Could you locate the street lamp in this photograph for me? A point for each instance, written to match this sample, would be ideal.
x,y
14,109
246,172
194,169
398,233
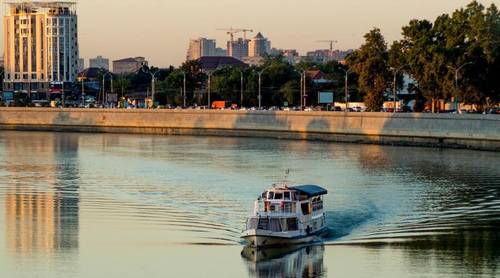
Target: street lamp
x,y
457,70
260,83
209,74
184,89
153,82
302,86
396,71
346,89
83,73
241,87
104,95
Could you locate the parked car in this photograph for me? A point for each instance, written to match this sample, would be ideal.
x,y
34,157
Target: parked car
x,y
493,111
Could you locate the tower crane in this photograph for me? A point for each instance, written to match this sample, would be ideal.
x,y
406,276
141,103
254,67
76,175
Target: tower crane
x,y
331,43
232,31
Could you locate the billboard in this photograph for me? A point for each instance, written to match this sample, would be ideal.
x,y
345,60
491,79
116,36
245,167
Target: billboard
x,y
325,97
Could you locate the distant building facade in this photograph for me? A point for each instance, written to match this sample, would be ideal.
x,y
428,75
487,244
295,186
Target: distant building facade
x,y
99,62
40,45
81,64
201,47
238,48
129,65
326,55
253,61
259,46
220,52
290,56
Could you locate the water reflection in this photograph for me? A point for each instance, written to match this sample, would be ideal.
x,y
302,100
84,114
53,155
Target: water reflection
x,y
293,261
42,199
84,201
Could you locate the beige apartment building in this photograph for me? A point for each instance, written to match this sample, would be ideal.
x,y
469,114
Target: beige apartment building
x,y
259,46
129,65
40,45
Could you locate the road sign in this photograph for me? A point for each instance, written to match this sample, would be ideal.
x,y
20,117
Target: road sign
x,y
325,97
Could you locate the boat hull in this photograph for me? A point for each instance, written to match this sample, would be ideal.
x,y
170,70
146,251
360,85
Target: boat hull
x,y
265,240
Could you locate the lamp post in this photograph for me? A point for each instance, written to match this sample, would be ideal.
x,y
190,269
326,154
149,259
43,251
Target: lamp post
x,y
241,88
104,95
396,71
260,85
457,70
184,89
302,85
346,88
83,90
153,83
209,73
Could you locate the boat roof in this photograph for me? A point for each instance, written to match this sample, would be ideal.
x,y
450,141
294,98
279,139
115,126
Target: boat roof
x,y
310,190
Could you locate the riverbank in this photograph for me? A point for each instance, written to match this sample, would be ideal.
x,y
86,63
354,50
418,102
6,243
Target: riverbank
x,y
480,132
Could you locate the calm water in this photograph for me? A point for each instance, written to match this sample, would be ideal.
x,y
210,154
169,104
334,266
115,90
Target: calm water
x,y
101,205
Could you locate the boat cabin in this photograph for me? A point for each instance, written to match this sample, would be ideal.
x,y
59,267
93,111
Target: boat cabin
x,y
284,199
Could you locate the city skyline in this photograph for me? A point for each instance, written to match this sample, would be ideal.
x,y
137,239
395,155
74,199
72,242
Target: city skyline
x,y
163,34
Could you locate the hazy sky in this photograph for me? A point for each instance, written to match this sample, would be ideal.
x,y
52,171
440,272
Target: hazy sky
x,y
160,29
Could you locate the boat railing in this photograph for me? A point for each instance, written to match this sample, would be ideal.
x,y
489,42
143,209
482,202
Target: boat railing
x,y
275,208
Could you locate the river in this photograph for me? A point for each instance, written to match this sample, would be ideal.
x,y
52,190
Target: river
x,y
112,205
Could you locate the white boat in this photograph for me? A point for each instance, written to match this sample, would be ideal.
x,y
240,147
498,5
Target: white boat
x,y
286,215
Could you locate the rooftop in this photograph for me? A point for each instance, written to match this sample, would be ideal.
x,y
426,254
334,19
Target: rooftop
x,y
310,190
214,62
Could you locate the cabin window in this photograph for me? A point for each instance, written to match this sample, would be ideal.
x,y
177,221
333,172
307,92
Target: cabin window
x,y
270,195
287,196
292,224
278,196
263,224
305,208
275,225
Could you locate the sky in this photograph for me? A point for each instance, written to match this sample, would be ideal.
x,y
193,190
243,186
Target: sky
x,y
160,29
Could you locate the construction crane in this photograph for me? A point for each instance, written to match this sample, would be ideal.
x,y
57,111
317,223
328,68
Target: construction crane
x,y
331,43
231,32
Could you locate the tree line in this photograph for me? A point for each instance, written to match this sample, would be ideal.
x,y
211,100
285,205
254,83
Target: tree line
x,y
456,57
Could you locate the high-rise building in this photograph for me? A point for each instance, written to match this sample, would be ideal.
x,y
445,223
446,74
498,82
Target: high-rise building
x,y
201,47
81,65
220,52
129,65
238,48
99,62
259,46
40,45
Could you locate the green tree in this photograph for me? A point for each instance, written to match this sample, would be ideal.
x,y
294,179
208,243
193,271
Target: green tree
x,y
122,84
370,63
289,92
464,44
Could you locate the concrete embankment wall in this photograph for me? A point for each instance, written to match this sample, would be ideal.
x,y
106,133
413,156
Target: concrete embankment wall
x,y
480,132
